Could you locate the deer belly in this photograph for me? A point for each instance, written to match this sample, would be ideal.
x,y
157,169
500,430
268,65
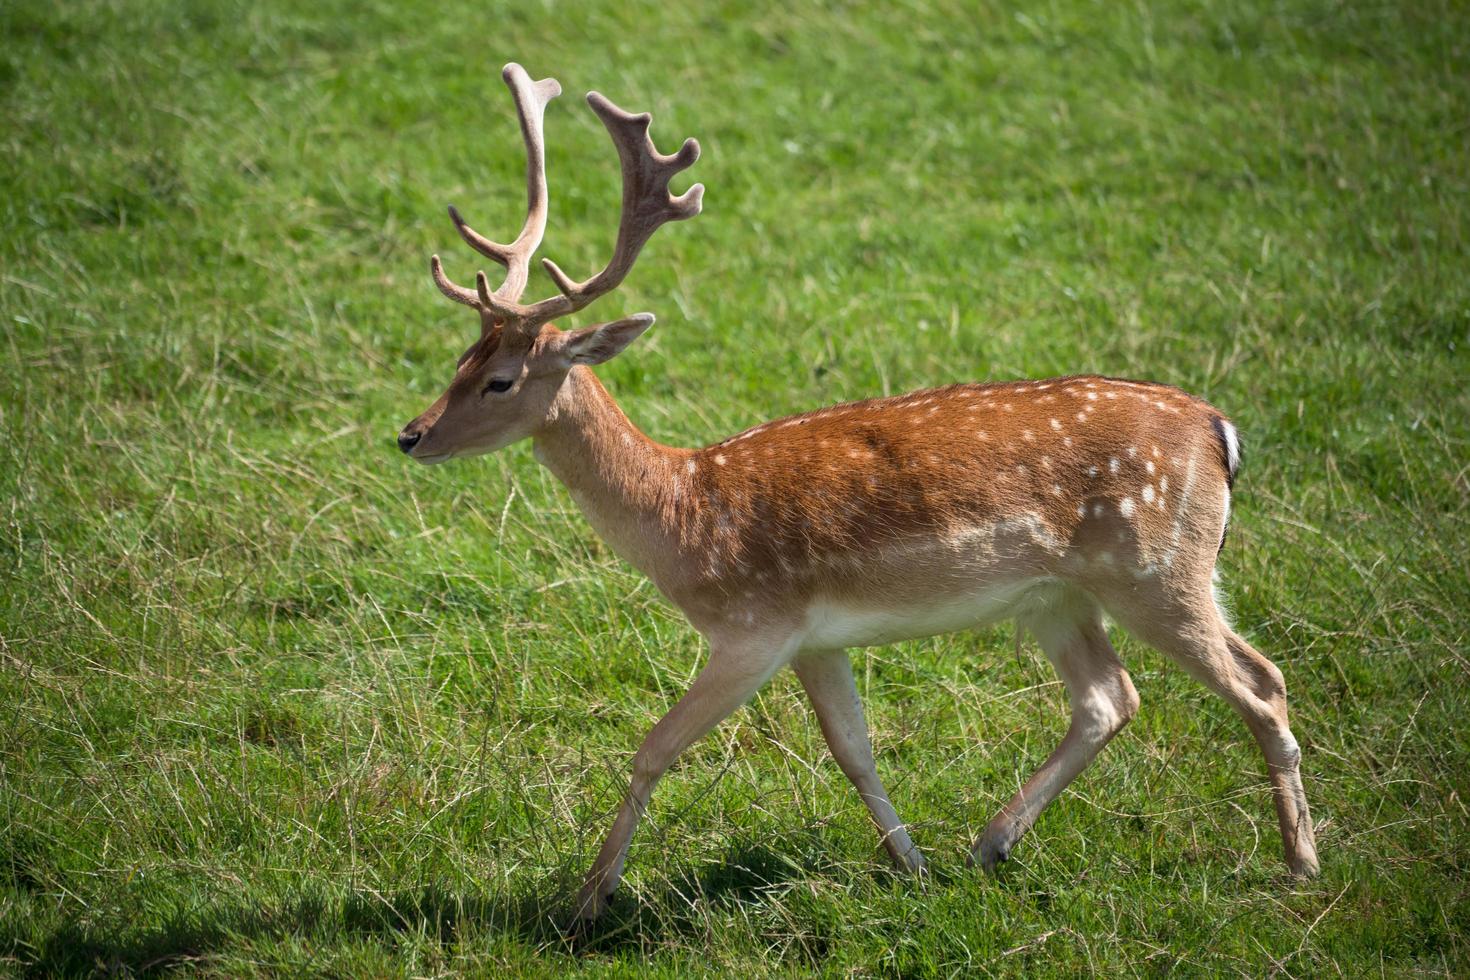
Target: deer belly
x,y
835,623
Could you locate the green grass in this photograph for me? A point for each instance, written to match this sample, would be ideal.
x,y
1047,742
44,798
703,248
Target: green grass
x,y
274,701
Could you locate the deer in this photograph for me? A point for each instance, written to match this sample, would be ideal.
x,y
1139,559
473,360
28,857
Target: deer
x,y
1050,502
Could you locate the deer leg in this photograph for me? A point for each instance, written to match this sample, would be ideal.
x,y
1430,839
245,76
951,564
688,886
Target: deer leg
x,y
1259,696
1103,701
1197,639
827,677
732,675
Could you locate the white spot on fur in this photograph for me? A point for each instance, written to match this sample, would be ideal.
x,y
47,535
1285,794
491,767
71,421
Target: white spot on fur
x,y
1125,506
1092,396
1081,510
1056,426
1081,416
1164,485
1149,466
1147,494
719,460
1056,489
1133,452
1026,434
1097,510
691,466
1066,440
1110,394
1113,465
1092,471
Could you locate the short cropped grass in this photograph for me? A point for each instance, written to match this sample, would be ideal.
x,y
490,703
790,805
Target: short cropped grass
x,y
275,702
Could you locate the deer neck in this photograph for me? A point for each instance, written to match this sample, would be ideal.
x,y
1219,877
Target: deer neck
x,y
625,483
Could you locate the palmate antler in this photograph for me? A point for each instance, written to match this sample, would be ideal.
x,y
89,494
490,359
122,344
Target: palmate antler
x,y
647,204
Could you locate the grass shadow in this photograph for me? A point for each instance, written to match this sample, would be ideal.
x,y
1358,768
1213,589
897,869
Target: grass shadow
x,y
677,907
537,915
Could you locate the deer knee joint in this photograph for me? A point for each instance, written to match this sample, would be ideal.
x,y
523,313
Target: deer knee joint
x,y
1290,752
1126,701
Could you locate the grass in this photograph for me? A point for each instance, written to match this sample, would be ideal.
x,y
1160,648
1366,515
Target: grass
x,y
275,702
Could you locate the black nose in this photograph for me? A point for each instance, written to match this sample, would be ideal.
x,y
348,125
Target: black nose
x,y
407,439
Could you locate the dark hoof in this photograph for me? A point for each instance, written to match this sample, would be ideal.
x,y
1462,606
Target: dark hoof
x,y
592,905
990,852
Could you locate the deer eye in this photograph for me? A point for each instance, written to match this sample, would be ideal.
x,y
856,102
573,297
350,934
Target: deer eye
x,y
498,385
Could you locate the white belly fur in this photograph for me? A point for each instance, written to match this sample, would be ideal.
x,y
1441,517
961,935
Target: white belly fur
x,y
832,624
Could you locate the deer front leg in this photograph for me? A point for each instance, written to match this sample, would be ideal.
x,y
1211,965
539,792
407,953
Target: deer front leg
x,y
827,677
734,673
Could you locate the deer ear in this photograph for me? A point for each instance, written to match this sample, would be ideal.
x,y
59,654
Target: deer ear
x,y
603,341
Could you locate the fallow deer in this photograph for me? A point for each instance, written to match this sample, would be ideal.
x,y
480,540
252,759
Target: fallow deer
x,y
1050,502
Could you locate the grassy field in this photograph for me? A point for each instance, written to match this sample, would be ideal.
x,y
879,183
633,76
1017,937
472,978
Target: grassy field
x,y
274,701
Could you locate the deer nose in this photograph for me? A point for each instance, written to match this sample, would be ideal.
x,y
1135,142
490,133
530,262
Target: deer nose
x,y
409,438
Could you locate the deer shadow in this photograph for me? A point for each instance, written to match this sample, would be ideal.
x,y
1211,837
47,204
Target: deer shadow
x,y
538,915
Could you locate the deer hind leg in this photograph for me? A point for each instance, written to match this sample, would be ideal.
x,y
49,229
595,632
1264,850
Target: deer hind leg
x,y
1199,641
827,677
734,673
1264,710
1103,701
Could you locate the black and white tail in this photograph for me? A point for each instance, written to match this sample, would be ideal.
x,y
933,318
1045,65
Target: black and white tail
x,y
1230,447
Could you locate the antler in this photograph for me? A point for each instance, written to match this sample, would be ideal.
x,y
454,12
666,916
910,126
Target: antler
x,y
530,98
647,204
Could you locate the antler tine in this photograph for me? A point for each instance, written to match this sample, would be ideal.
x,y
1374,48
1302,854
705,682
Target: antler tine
x,y
530,98
457,293
647,203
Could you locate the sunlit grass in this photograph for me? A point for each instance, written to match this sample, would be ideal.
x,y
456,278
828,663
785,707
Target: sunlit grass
x,y
273,701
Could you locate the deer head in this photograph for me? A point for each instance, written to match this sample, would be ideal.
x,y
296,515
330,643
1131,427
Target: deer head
x,y
506,384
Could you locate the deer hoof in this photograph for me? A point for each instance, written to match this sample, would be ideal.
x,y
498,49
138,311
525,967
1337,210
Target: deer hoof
x,y
591,904
990,851
912,863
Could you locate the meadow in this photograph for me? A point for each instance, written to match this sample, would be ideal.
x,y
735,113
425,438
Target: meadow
x,y
276,702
